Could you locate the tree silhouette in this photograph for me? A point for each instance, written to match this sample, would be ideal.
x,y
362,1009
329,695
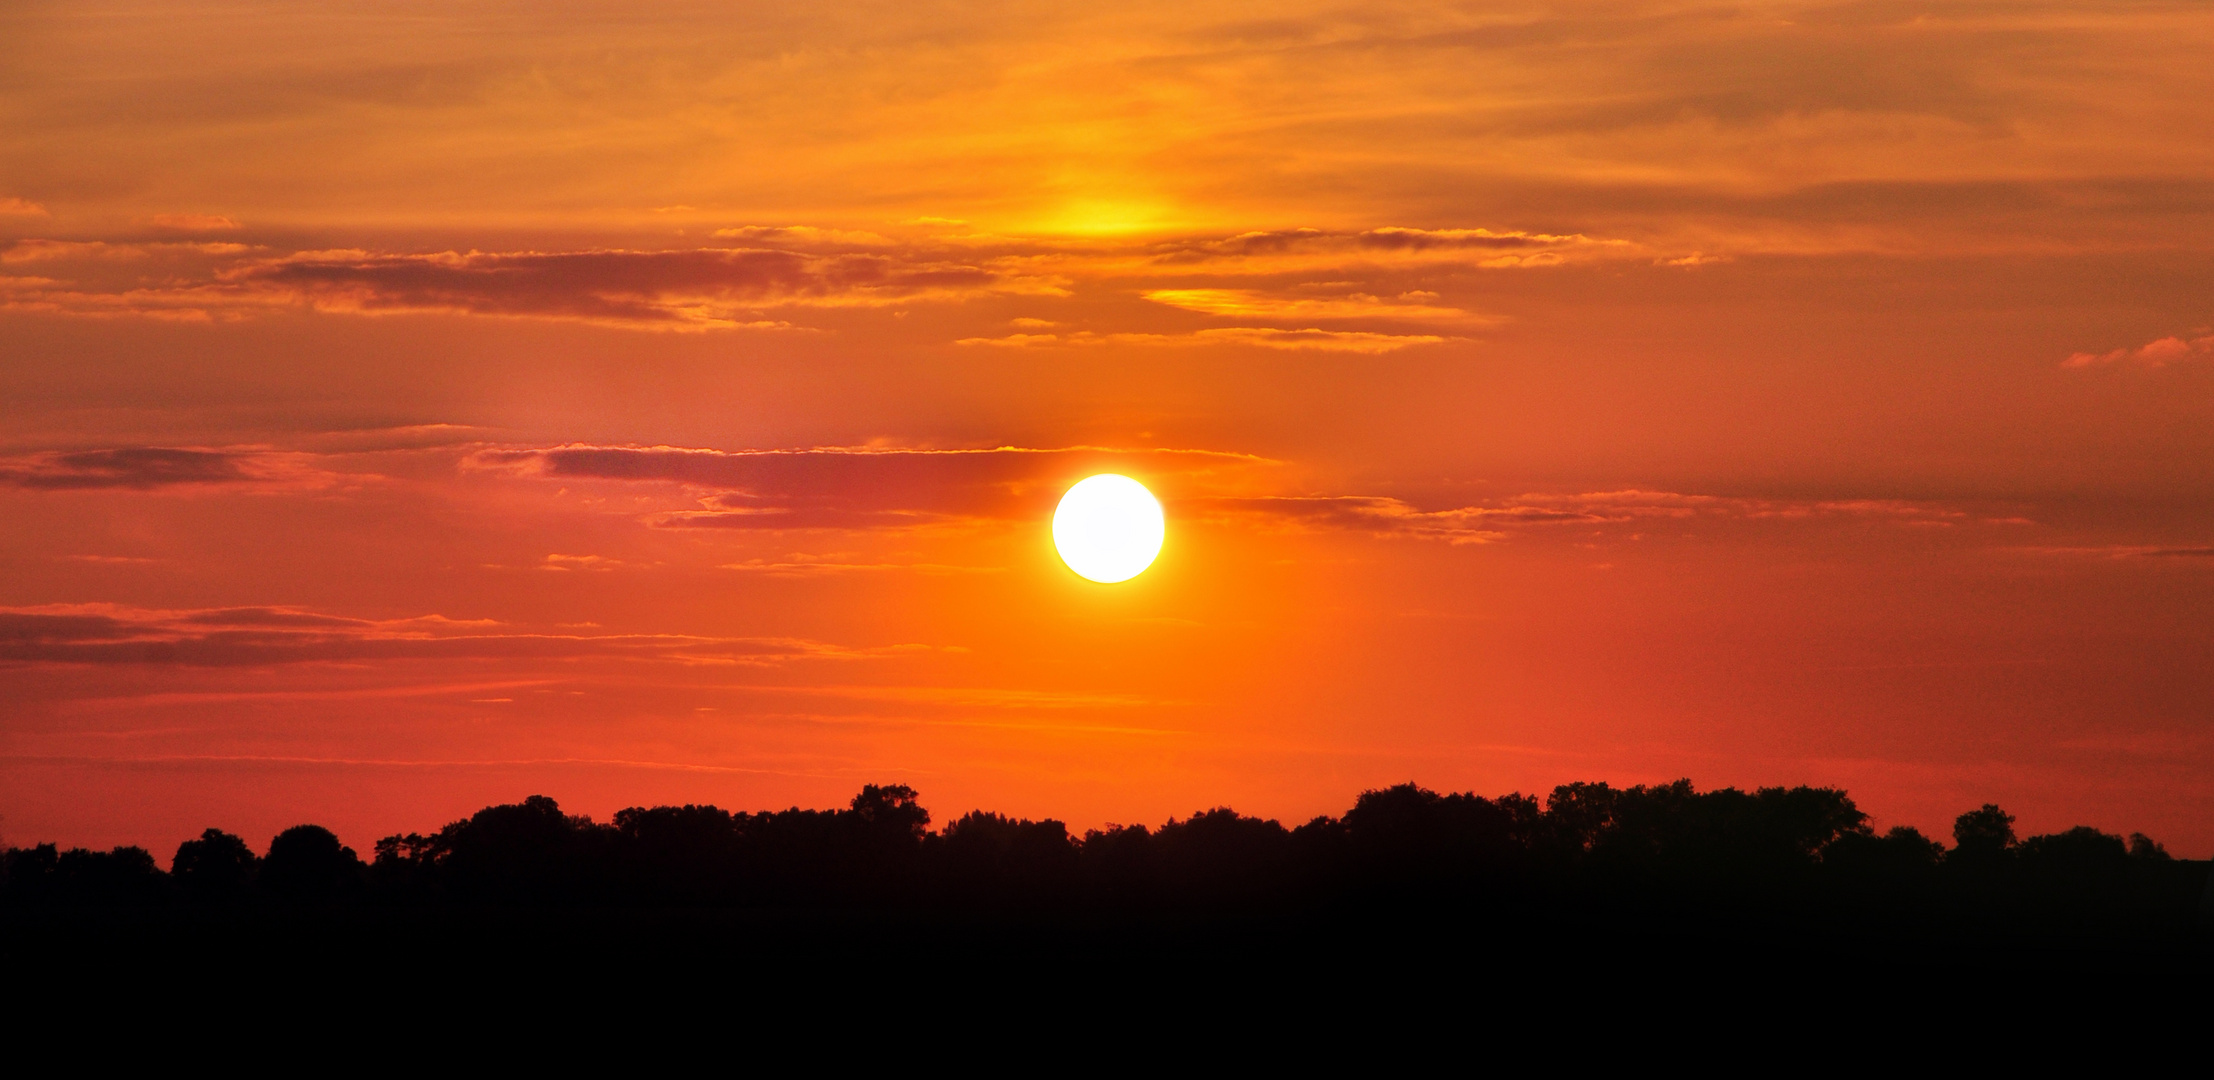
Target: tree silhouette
x,y
214,867
306,865
1670,849
42,875
1408,835
1983,835
982,855
682,854
1220,854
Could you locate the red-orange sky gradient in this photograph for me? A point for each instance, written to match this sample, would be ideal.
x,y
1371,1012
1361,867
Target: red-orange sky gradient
x,y
406,407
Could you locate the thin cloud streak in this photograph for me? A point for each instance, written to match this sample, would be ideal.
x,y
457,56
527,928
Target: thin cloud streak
x,y
107,634
1312,339
1388,517
391,763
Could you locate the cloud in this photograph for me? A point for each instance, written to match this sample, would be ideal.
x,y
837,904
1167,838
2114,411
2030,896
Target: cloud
x,y
147,468
1471,246
193,222
736,512
1580,112
782,268
1311,339
568,563
800,565
2128,551
140,468
254,636
698,288
12,206
805,236
41,250
1030,341
1251,303
166,280
2151,354
1337,254
1349,341
865,489
37,249
1484,523
1402,239
1376,515
845,488
1494,521
681,289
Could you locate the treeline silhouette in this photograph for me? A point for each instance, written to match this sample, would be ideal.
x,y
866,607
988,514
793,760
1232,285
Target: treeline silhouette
x,y
1775,850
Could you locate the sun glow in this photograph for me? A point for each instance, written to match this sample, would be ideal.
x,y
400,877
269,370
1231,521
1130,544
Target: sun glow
x,y
1108,528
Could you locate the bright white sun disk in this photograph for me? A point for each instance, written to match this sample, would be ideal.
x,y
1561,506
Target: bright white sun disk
x,y
1108,528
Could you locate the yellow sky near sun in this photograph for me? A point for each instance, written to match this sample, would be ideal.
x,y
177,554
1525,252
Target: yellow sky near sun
x,y
1042,118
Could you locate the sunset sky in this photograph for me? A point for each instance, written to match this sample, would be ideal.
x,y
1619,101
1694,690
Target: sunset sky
x,y
406,407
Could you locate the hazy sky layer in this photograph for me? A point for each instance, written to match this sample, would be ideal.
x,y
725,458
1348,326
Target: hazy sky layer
x,y
410,407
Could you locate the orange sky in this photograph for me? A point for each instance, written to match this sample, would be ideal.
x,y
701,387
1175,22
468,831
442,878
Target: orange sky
x,y
409,407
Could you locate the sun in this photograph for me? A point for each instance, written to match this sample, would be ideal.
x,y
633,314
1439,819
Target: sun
x,y
1108,528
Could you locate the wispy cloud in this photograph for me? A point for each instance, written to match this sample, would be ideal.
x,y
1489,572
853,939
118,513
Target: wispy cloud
x,y
249,636
805,236
1313,340
1262,337
800,565
193,222
1253,303
2127,551
570,563
1493,521
2154,354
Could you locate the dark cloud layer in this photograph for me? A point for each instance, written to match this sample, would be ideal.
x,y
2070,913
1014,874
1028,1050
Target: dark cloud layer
x,y
139,467
844,488
686,287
